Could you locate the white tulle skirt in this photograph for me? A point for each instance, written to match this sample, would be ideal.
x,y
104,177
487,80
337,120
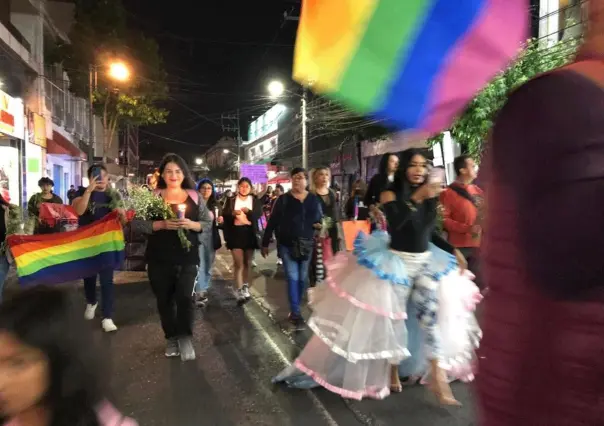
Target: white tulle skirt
x,y
360,313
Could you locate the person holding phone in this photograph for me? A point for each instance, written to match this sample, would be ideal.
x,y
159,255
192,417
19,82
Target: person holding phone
x,y
92,204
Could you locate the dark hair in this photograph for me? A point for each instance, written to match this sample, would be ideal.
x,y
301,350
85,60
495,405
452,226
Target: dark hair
x,y
297,170
242,180
280,187
96,166
402,186
187,182
45,181
46,318
211,203
460,163
382,174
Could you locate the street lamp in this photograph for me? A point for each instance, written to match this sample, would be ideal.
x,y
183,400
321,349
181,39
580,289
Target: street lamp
x,y
117,71
225,151
198,161
276,89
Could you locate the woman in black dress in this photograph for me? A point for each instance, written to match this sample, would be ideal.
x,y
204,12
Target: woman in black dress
x,y
241,217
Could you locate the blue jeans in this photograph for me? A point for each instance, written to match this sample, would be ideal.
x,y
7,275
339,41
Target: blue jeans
x,y
296,272
204,274
106,279
4,267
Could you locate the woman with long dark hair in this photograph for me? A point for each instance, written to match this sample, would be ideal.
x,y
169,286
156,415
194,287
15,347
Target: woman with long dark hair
x,y
173,253
50,373
210,242
382,181
241,232
359,324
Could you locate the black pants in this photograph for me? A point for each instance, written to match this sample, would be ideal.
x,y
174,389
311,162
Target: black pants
x,y
471,255
173,288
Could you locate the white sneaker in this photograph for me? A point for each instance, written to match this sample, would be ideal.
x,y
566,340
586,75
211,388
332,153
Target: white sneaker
x,y
108,325
245,291
279,262
254,264
90,311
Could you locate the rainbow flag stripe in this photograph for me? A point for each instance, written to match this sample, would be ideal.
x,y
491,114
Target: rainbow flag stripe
x,y
414,63
67,256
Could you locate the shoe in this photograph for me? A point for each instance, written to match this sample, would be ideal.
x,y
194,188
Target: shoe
x,y
440,387
201,299
187,351
245,290
108,325
279,262
298,322
254,264
172,348
90,311
310,296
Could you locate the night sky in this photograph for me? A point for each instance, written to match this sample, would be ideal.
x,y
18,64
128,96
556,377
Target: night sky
x,y
219,56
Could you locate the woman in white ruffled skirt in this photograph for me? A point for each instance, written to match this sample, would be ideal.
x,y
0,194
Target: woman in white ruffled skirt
x,y
360,333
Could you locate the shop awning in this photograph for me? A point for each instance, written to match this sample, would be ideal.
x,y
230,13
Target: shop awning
x,y
60,145
281,177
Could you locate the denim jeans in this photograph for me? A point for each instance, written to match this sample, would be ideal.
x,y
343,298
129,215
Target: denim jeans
x,y
296,272
106,279
207,255
4,267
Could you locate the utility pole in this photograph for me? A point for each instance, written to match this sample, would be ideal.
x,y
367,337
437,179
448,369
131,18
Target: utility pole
x,y
304,130
231,123
92,87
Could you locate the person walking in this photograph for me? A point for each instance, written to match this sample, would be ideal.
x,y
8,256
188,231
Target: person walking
x,y
295,217
210,242
173,253
241,232
92,204
462,212
46,195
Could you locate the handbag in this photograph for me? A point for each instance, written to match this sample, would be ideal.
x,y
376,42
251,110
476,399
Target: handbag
x,y
302,248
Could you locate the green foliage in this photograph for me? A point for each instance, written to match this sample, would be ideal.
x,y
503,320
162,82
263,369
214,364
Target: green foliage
x,y
222,173
99,37
472,127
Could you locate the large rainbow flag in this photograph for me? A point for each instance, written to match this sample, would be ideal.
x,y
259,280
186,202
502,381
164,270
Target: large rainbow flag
x,y
414,63
67,256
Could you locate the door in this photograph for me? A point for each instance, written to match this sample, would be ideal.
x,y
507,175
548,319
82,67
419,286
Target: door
x,y
57,177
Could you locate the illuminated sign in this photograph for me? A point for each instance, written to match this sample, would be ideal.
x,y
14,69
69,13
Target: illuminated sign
x,y
266,123
11,116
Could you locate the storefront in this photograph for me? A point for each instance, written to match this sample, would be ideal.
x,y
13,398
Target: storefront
x,y
12,140
35,153
63,163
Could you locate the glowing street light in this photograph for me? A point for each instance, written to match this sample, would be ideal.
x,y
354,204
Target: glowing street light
x,y
119,71
198,161
225,151
276,88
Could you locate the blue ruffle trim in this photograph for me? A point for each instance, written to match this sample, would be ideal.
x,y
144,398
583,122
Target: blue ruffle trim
x,y
372,252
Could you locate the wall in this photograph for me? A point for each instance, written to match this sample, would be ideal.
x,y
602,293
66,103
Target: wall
x,y
69,166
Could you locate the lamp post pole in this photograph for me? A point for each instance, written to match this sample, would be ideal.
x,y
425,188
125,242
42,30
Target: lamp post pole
x,y
91,124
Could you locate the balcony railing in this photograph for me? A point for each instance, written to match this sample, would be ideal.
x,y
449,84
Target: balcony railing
x,y
66,109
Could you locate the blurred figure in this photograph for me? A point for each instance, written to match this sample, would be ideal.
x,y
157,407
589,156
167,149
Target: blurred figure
x,y
541,359
49,369
71,194
383,181
355,208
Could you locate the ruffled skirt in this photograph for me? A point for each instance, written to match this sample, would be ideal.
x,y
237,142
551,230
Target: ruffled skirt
x,y
359,320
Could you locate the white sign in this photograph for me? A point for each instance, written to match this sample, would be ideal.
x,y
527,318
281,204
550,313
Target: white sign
x,y
9,174
266,123
12,119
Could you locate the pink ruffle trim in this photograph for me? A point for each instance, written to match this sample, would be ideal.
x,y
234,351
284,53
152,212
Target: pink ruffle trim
x,y
340,292
371,392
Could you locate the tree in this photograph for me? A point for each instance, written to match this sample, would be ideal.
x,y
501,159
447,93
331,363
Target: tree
x,y
222,172
472,127
99,37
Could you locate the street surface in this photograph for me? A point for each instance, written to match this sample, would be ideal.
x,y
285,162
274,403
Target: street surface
x,y
239,350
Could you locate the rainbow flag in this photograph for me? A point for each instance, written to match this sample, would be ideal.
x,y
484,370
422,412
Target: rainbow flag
x,y
414,63
67,256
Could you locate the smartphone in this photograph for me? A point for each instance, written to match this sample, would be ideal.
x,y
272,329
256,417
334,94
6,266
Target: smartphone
x,y
437,175
96,172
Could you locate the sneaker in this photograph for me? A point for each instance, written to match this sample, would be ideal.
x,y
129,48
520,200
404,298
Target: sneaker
x,y
279,262
201,299
172,348
108,325
254,264
297,322
90,311
245,291
187,351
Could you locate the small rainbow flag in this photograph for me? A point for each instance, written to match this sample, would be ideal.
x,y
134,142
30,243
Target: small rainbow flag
x,y
67,256
414,63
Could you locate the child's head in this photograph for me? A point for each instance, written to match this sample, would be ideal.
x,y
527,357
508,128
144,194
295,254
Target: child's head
x,y
47,358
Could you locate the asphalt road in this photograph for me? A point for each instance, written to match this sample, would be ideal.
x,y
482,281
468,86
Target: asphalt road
x,y
239,350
